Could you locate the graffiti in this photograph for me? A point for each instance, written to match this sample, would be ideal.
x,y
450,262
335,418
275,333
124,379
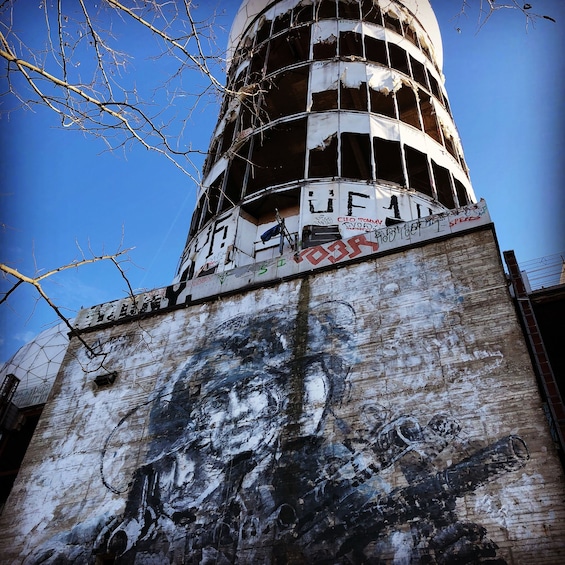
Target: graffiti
x,y
375,240
351,205
343,249
251,461
365,224
323,220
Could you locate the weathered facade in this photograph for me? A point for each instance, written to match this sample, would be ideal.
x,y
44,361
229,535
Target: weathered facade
x,y
383,412
335,122
359,392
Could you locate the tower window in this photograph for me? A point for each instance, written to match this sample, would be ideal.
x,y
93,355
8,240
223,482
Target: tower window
x,y
286,93
398,58
326,100
236,172
348,9
350,44
282,22
388,160
370,12
211,199
195,222
418,170
257,63
392,22
434,85
288,48
303,14
407,106
431,126
278,155
353,98
443,185
326,49
322,161
418,72
325,9
375,50
382,103
263,31
356,156
410,34
462,195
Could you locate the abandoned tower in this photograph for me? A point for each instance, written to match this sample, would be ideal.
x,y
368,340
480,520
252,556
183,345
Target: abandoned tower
x,y
338,373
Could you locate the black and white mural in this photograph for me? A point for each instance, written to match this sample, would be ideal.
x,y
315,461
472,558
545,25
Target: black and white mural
x,y
256,455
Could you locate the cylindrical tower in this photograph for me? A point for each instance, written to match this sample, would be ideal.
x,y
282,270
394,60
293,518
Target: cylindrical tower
x,y
335,122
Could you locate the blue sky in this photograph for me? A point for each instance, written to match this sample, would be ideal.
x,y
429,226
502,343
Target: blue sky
x,y
61,187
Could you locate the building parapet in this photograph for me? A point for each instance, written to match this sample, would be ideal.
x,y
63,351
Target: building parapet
x,y
340,251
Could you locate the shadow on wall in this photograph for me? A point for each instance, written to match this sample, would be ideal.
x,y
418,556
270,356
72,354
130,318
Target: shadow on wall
x,y
250,462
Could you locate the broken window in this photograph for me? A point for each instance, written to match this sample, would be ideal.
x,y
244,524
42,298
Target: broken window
x,y
288,48
407,106
286,93
326,100
227,199
325,9
236,172
352,98
418,170
431,126
227,135
392,22
326,49
280,200
388,160
462,195
375,50
434,86
278,155
370,12
410,34
398,58
239,81
282,22
212,154
356,156
442,180
211,199
382,103
348,9
350,44
247,113
446,104
195,221
257,63
450,146
303,14
322,160
263,31
418,72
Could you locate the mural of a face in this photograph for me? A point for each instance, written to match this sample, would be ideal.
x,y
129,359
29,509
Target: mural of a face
x,y
241,466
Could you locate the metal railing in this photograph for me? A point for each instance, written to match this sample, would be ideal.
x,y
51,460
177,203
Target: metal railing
x,y
545,271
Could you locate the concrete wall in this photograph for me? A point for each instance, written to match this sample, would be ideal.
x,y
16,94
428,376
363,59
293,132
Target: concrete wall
x,y
383,410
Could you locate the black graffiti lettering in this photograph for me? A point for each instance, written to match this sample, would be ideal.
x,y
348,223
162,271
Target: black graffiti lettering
x,y
394,206
218,228
329,207
350,204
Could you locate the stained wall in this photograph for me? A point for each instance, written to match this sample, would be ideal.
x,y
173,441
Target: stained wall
x,y
389,413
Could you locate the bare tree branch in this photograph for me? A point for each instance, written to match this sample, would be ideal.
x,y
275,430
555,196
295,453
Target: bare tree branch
x,y
487,8
35,282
